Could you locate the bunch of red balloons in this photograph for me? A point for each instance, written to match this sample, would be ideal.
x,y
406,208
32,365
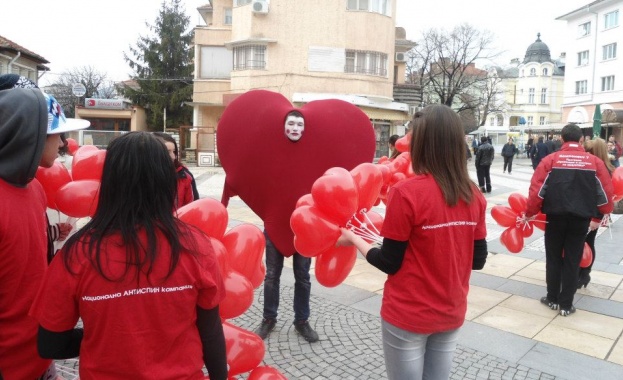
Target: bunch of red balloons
x,y
397,169
617,182
513,218
75,192
239,252
338,198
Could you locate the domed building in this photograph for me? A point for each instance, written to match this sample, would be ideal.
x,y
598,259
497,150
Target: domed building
x,y
533,93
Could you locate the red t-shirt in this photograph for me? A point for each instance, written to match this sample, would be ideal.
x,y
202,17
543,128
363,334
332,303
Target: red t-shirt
x,y
23,249
184,188
429,292
133,329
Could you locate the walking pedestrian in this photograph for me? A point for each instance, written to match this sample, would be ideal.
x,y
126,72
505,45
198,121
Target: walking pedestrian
x,y
508,152
433,236
570,186
484,159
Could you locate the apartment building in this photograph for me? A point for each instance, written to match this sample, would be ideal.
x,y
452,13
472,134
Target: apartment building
x,y
594,70
305,50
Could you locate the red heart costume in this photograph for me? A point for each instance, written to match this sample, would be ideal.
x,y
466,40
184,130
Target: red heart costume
x,y
268,171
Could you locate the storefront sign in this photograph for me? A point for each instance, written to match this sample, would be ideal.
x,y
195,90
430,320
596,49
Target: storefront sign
x,y
115,104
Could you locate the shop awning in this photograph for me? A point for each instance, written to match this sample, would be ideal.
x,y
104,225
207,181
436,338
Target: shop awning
x,y
384,114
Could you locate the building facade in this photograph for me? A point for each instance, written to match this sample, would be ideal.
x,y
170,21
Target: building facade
x,y
16,59
305,50
594,71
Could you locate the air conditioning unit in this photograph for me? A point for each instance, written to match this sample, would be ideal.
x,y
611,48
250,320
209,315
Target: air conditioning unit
x,y
401,57
260,6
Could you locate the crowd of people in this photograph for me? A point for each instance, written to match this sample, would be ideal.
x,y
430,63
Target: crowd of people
x,y
142,280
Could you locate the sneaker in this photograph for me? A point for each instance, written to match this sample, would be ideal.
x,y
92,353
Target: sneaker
x,y
550,304
566,312
306,331
265,328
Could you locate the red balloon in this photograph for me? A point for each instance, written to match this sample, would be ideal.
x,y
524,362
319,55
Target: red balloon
x,y
396,177
383,160
334,265
518,202
88,164
335,195
504,216
78,198
221,256
245,350
617,182
587,256
72,146
245,245
539,221
207,214
386,172
512,239
238,295
400,163
368,181
305,200
52,179
266,373
258,276
403,143
313,233
527,229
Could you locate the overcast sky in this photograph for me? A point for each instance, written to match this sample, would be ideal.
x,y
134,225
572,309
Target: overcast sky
x,y
76,33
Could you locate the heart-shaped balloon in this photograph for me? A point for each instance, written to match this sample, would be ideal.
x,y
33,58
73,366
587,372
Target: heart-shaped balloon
x,y
269,171
335,194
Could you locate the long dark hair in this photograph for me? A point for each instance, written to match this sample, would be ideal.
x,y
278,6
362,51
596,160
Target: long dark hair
x,y
137,195
438,148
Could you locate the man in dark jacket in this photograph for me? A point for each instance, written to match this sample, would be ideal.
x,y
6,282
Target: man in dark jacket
x,y
508,152
570,186
551,147
484,159
538,152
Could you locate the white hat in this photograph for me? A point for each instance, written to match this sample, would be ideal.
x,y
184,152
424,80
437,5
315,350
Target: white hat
x,y
57,122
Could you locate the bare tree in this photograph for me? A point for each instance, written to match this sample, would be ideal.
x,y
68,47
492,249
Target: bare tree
x,y
444,62
96,83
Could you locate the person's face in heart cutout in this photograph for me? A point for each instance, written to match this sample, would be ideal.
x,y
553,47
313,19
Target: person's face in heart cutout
x,y
294,126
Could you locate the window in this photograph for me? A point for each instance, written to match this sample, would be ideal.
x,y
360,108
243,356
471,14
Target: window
x,y
607,83
530,120
580,87
545,72
383,7
532,72
241,2
584,29
215,62
610,51
611,19
250,57
366,62
531,96
492,121
227,19
583,58
542,120
543,96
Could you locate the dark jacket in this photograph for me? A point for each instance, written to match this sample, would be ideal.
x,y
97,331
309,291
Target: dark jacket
x,y
484,155
509,150
538,152
571,182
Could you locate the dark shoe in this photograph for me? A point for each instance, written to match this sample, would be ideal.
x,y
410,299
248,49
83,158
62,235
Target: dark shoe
x,y
488,190
306,331
483,190
548,303
566,312
583,281
265,328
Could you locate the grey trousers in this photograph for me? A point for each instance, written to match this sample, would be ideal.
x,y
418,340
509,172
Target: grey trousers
x,y
412,356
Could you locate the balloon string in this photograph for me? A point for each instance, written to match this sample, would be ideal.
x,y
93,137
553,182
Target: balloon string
x,y
365,233
369,223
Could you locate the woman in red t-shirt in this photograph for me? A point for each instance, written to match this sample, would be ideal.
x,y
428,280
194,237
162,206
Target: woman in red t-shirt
x,y
146,286
186,186
433,236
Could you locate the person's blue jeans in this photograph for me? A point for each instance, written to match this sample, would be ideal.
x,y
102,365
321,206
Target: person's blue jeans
x,y
302,285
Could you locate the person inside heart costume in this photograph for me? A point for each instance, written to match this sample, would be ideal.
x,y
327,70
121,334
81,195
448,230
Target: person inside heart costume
x,y
272,153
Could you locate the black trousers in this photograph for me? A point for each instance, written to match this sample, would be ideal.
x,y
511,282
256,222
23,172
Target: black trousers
x,y
484,179
508,162
563,233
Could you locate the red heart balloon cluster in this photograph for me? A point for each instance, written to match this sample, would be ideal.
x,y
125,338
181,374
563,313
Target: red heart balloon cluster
x,y
338,198
397,169
74,193
511,217
617,183
239,252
